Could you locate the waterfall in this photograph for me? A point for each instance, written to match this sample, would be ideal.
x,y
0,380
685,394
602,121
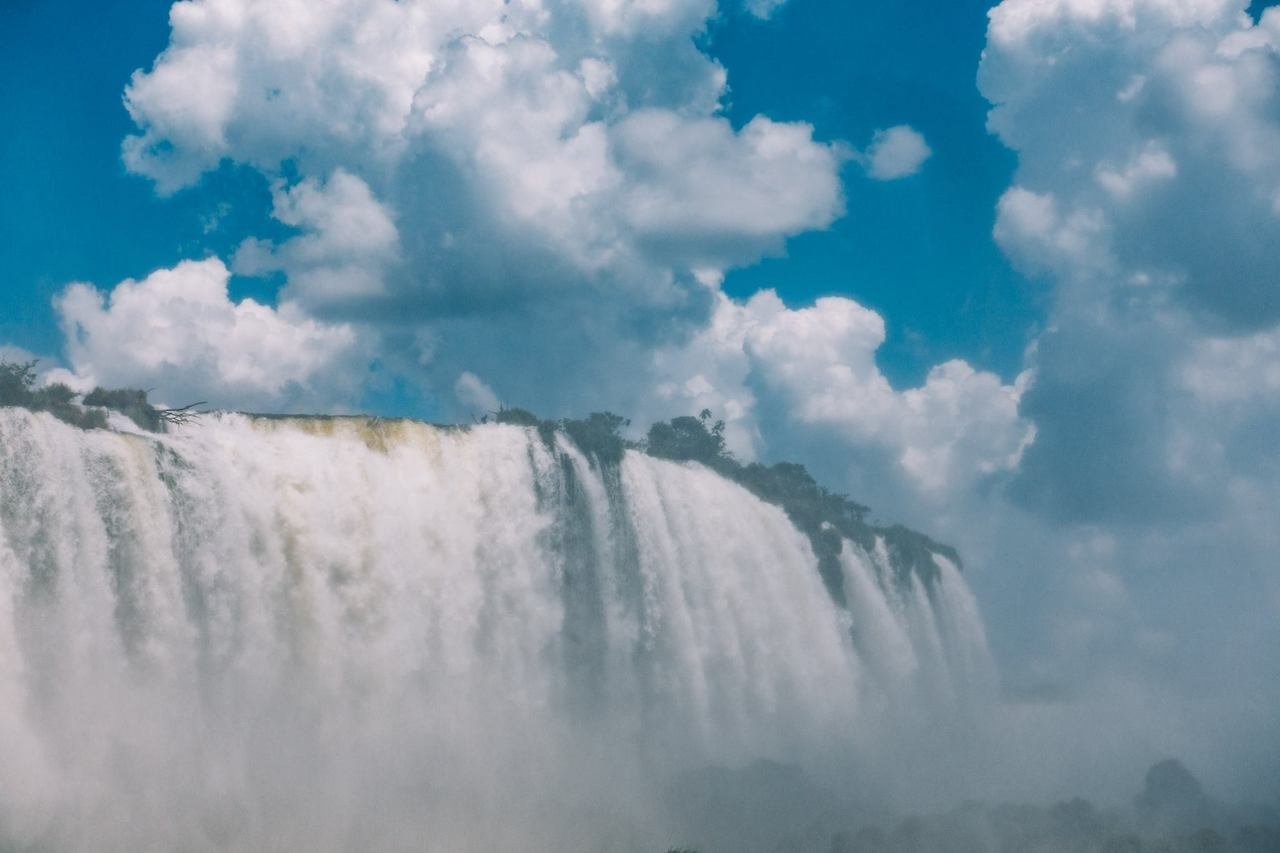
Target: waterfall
x,y
345,633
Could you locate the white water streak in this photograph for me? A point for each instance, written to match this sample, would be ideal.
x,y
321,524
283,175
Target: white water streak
x,y
259,634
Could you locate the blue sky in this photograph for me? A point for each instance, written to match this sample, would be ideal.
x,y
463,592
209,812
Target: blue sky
x,y
919,251
72,211
1011,279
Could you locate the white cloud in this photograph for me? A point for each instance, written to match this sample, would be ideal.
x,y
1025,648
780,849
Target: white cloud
x,y
567,158
960,426
348,238
716,196
546,129
1015,23
177,332
1154,121
1149,155
1238,369
1032,230
764,8
1151,165
14,354
459,172
476,154
248,80
473,393
897,152
633,17
1148,160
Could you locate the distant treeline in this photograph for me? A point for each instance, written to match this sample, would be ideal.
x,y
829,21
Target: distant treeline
x,y
772,808
826,517
18,388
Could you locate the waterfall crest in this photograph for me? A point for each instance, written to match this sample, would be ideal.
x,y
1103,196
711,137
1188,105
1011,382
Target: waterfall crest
x,y
337,633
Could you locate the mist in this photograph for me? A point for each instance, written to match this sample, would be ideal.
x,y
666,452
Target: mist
x,y
252,633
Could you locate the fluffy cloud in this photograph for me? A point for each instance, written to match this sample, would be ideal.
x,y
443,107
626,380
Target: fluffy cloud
x,y
251,80
712,196
465,177
463,172
588,126
472,391
1148,145
11,353
764,8
898,152
347,241
534,202
818,362
1149,160
1156,122
1033,231
1018,25
1235,369
177,332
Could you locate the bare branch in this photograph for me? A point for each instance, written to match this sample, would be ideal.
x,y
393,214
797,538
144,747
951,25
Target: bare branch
x,y
181,415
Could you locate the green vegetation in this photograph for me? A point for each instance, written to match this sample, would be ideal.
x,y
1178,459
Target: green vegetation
x,y
769,806
18,388
599,435
826,517
517,417
129,402
689,439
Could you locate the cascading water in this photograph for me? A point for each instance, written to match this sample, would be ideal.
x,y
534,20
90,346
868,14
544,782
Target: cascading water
x,y
338,634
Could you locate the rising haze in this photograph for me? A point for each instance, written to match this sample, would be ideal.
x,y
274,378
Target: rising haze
x,y
1008,275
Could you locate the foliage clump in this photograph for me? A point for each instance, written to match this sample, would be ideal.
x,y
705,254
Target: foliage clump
x,y
690,439
516,417
599,435
827,518
769,806
130,402
18,388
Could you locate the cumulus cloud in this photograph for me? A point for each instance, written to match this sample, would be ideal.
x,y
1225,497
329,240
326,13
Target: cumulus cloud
x,y
1151,165
1017,25
177,332
897,152
347,241
546,195
458,173
1148,162
472,392
249,80
1235,369
1149,156
461,177
1156,121
764,8
712,196
554,121
959,427
1036,233
11,353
